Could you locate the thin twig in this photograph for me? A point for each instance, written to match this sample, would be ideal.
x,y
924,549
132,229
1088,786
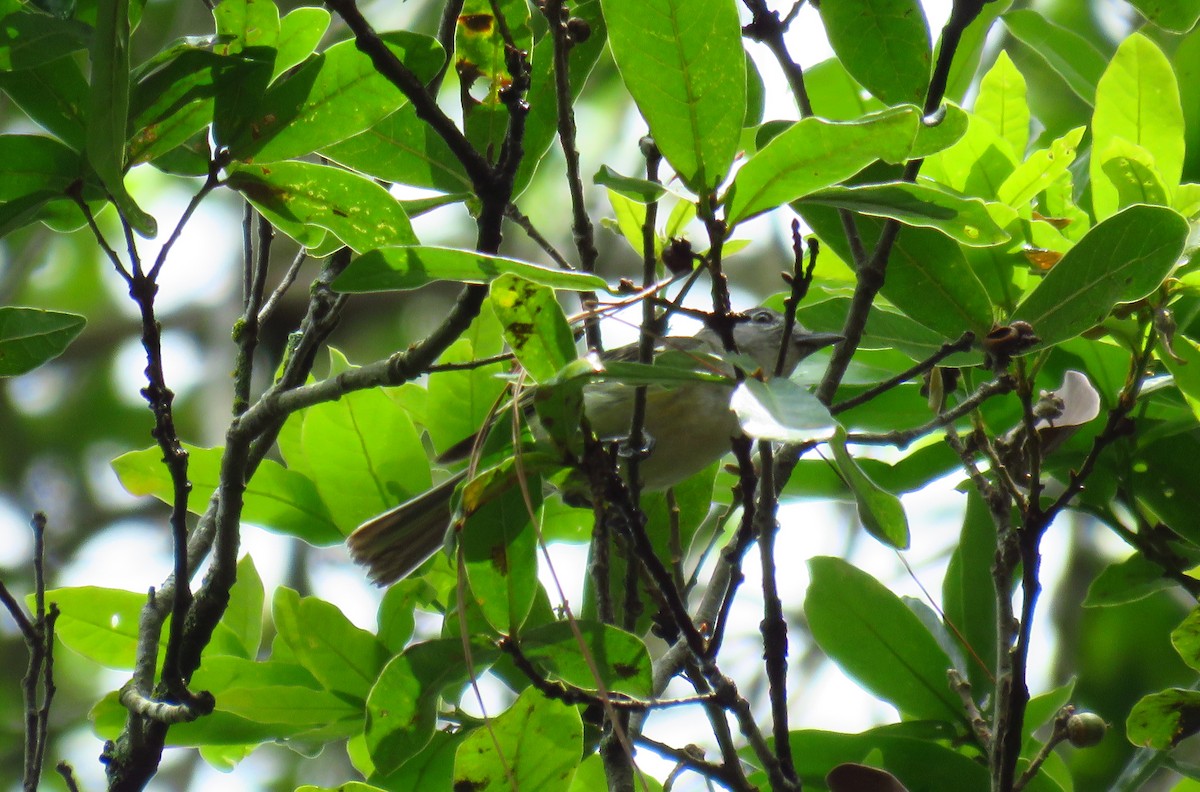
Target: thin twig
x,y
947,349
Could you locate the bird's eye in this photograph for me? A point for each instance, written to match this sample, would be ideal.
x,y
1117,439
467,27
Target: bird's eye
x,y
762,317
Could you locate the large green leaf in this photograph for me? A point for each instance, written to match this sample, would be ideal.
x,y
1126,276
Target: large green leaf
x,y
276,498
362,451
55,96
499,549
534,744
1122,259
1177,16
173,102
108,109
920,762
1128,580
402,707
874,637
29,39
929,279
299,33
620,658
404,268
480,60
682,60
1066,52
1039,170
969,221
1001,102
404,149
296,196
880,512
330,98
813,154
343,658
884,44
100,623
534,325
30,337
780,410
247,32
968,598
1137,100
1161,720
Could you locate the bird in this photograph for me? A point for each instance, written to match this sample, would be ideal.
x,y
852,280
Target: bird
x,y
689,427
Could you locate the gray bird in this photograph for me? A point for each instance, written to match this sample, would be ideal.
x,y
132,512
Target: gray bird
x,y
689,427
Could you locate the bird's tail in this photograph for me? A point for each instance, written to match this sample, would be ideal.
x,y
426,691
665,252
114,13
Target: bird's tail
x,y
392,545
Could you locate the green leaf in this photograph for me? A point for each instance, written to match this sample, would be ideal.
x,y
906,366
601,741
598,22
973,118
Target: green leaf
x,y
880,512
243,615
640,190
1066,52
100,623
29,39
534,325
402,707
1162,720
465,398
405,268
534,744
403,149
872,636
1177,16
1162,475
299,34
930,280
969,221
29,337
108,109
499,548
835,95
780,410
247,32
886,328
920,764
1183,361
620,658
1122,259
1132,171
172,103
813,154
969,604
343,658
295,196
1137,99
1125,581
330,98
276,498
682,60
32,164
1186,639
884,44
363,453
55,96
246,24
1001,102
1041,169
480,60
977,164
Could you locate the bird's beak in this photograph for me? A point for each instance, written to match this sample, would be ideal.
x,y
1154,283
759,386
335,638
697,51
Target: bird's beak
x,y
814,341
